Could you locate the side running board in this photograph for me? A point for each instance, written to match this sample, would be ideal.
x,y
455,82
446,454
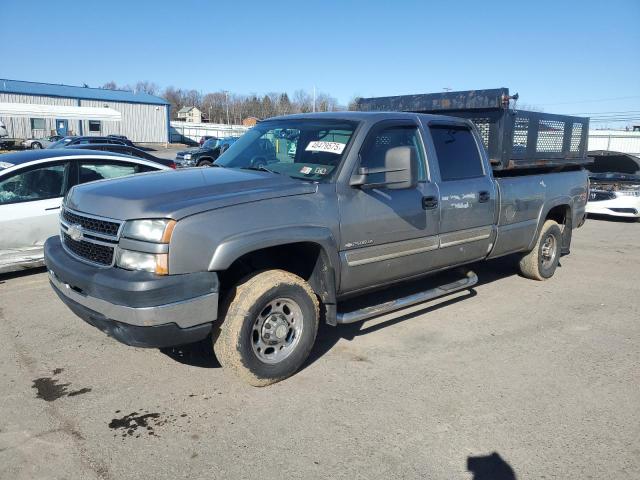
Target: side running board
x,y
376,310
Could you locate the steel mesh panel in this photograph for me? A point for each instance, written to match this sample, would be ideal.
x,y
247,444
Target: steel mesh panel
x,y
520,134
576,136
91,251
92,224
484,126
550,136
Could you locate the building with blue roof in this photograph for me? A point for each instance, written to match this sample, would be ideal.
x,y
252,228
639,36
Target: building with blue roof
x,y
143,117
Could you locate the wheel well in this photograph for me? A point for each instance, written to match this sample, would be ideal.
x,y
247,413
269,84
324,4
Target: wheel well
x,y
308,260
559,214
562,215
202,159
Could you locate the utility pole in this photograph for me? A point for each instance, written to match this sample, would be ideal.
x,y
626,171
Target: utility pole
x,y
226,96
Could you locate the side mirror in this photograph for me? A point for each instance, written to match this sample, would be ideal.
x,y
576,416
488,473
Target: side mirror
x,y
400,171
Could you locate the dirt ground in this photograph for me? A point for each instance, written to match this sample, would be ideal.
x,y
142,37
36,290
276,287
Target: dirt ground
x,y
514,379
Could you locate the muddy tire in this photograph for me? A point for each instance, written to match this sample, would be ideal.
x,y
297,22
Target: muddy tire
x,y
269,327
541,262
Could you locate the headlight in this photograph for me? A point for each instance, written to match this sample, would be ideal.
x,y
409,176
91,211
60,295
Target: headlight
x,y
149,262
152,230
187,156
628,193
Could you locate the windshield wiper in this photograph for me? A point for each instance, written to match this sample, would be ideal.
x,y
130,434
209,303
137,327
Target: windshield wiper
x,y
260,168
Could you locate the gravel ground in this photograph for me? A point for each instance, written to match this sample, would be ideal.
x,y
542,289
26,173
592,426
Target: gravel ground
x,y
515,379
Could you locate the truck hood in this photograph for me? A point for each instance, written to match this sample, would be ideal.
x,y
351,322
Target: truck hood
x,y
180,193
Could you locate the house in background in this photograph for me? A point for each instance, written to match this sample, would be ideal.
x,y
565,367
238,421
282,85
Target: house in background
x,y
189,114
250,121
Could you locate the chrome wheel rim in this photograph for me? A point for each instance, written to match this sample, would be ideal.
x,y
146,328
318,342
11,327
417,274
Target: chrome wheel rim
x,y
548,251
277,330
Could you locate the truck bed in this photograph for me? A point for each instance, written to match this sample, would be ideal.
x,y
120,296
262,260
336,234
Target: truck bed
x,y
521,200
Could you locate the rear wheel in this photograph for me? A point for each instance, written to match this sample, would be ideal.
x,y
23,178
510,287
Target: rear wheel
x,y
541,262
36,146
269,327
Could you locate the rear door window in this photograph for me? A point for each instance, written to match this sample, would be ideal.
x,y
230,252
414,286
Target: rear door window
x,y
102,170
457,151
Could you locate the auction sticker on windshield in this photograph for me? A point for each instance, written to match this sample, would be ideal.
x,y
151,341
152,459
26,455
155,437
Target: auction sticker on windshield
x,y
331,147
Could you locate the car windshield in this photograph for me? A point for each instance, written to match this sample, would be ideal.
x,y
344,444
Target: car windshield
x,y
60,143
308,149
211,143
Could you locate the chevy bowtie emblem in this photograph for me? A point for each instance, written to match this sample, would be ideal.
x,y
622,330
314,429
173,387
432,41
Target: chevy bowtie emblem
x,y
75,232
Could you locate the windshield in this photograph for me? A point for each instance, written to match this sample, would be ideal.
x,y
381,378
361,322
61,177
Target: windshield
x,y
60,143
211,143
308,149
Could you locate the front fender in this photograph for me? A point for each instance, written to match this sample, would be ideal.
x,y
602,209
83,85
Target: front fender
x,y
232,248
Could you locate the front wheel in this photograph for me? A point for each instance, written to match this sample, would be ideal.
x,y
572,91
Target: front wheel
x,y
36,146
541,262
269,328
205,163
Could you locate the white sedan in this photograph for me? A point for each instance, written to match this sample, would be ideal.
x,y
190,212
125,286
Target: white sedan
x,y
32,186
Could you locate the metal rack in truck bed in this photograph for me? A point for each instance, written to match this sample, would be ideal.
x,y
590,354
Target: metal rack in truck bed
x,y
514,139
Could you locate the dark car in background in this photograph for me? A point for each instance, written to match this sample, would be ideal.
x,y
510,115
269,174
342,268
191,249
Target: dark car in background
x,y
86,140
205,155
125,150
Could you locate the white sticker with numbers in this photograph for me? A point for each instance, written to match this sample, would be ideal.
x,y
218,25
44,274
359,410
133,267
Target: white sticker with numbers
x,y
331,147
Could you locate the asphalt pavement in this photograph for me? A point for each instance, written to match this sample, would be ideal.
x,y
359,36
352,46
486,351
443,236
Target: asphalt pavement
x,y
514,379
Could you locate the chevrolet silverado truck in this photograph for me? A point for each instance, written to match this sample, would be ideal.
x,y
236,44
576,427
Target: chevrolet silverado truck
x,y
254,252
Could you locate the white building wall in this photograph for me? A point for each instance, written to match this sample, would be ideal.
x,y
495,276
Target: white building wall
x,y
140,122
21,127
615,140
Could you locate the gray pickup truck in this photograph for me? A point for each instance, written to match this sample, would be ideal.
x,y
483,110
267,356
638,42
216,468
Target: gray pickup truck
x,y
255,251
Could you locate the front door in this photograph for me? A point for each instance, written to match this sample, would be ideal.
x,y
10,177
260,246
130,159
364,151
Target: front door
x,y
62,127
30,202
387,234
467,195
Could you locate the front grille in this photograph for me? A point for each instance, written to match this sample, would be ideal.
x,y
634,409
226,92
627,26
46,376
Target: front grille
x,y
93,252
597,196
92,224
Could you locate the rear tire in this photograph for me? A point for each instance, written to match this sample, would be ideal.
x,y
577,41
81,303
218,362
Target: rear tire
x,y
541,262
269,328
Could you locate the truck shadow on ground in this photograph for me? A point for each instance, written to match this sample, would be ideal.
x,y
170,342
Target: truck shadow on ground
x,y
201,354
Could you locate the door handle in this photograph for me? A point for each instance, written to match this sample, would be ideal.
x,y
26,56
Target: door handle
x,y
429,203
51,208
484,197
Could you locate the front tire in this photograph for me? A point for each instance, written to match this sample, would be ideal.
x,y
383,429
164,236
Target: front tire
x,y
36,146
541,262
269,328
205,163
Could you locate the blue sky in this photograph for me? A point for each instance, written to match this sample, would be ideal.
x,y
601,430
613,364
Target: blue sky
x,y
560,56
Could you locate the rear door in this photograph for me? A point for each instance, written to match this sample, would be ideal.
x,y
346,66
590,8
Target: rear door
x,y
467,193
387,234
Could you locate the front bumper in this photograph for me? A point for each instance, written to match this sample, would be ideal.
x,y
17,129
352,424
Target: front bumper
x,y
137,308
